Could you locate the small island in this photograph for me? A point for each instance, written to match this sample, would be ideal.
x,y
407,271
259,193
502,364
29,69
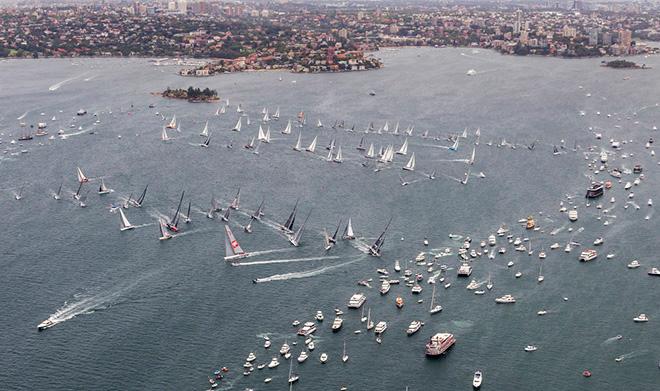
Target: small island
x,y
623,64
194,95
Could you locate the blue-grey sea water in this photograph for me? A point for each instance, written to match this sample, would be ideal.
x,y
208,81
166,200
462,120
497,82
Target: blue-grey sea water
x,y
135,313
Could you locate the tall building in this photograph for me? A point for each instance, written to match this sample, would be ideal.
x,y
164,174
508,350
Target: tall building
x,y
593,36
625,36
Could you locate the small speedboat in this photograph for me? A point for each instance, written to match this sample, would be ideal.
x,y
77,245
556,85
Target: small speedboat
x,y
641,318
530,348
477,379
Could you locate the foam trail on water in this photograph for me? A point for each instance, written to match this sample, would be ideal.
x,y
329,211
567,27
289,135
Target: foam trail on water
x,y
286,260
22,116
360,245
67,135
305,274
56,86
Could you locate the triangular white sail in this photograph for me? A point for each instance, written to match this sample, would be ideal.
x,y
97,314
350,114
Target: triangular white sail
x,y
163,135
404,148
124,224
81,177
239,109
267,137
287,130
348,231
205,131
410,166
329,157
233,250
277,113
471,162
236,202
172,124
409,131
319,124
371,153
464,134
396,129
266,118
261,136
455,146
239,123
386,127
312,146
298,146
338,157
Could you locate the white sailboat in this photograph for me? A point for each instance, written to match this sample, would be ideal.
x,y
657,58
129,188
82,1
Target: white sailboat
x,y
103,189
455,146
404,148
163,135
81,177
239,109
386,127
164,235
371,153
172,124
410,129
239,124
348,231
266,117
312,146
267,136
287,129
319,124
236,202
298,146
276,116
124,224
295,238
471,162
410,166
205,131
338,157
261,136
233,250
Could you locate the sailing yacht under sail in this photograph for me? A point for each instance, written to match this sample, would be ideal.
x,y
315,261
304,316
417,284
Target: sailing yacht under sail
x,y
298,146
81,177
371,153
233,250
348,231
295,238
172,124
338,157
287,129
375,248
138,203
163,135
205,131
288,225
312,146
361,146
404,148
57,196
236,202
410,166
103,189
164,235
124,224
172,225
239,124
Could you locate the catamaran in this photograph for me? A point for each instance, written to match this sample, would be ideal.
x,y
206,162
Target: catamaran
x,y
239,124
348,231
233,250
172,225
312,146
124,224
374,249
295,238
103,189
410,166
404,148
287,129
298,146
172,124
81,177
205,131
164,235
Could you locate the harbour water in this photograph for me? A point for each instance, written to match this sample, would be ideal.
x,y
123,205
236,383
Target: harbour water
x,y
135,313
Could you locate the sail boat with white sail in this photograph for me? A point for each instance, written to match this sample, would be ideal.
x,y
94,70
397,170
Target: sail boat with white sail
x,y
339,158
124,224
236,202
410,166
57,196
435,308
298,146
163,135
205,131
404,148
103,189
312,146
164,235
239,124
348,231
172,124
81,177
287,129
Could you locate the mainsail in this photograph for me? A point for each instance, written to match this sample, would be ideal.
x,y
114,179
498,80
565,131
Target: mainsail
x,y
348,231
375,248
81,177
404,148
124,224
239,123
295,238
312,146
410,166
205,131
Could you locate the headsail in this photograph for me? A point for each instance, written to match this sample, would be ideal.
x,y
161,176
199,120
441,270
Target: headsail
x,y
124,224
348,231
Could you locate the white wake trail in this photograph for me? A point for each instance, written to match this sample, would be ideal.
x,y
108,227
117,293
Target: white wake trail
x,y
292,260
305,274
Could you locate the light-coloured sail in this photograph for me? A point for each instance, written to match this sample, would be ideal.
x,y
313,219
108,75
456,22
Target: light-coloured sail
x,y
81,177
312,146
410,166
261,136
474,149
287,129
386,127
239,123
164,235
298,146
370,152
338,157
172,124
205,131
348,231
124,224
163,135
267,137
404,148
319,124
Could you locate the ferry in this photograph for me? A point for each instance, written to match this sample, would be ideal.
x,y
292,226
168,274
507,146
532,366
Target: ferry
x,y
595,190
439,343
357,300
588,255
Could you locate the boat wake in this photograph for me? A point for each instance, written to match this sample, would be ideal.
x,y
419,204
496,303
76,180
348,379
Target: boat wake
x,y
305,274
22,116
56,86
176,235
272,261
610,340
361,245
65,136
